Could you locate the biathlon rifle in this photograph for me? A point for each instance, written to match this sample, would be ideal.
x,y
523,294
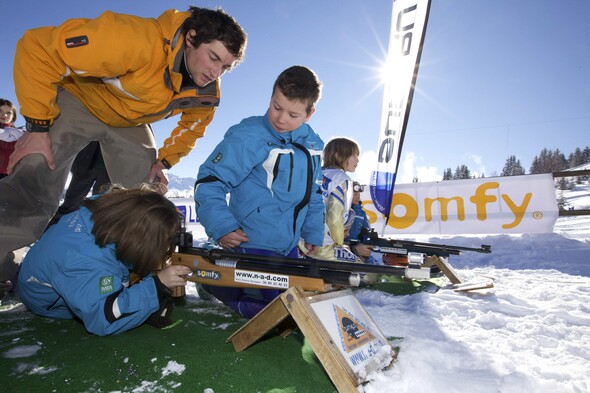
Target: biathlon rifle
x,y
232,269
219,267
410,251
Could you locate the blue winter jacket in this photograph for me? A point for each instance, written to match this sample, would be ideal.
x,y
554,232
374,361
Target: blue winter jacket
x,y
274,181
360,221
66,275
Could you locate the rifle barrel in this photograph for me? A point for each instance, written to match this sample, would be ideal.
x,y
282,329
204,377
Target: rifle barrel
x,y
485,248
372,238
312,265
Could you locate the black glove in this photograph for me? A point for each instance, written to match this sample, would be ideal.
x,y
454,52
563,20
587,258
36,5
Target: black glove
x,y
161,318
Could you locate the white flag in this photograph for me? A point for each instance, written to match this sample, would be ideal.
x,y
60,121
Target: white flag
x,y
408,28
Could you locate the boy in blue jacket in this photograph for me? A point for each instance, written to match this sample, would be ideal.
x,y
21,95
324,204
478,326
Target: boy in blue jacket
x,y
80,268
271,167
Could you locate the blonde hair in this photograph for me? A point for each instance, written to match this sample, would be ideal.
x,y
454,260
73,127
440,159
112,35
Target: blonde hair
x,y
338,150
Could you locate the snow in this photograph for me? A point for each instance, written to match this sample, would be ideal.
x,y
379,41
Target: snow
x,y
530,333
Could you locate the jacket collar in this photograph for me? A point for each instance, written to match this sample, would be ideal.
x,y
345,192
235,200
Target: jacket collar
x,y
287,137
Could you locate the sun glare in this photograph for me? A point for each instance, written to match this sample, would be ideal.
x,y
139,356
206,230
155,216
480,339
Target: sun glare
x,y
384,71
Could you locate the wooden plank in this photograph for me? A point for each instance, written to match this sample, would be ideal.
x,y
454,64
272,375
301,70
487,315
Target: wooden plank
x,y
447,270
574,212
458,284
472,286
269,317
581,172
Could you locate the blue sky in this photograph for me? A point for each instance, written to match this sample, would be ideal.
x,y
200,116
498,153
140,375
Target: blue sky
x,y
497,78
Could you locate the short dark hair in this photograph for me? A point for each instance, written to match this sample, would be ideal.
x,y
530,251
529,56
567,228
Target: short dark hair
x,y
142,224
6,102
299,83
211,25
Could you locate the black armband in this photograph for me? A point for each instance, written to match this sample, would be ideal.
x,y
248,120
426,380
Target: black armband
x,y
35,125
166,164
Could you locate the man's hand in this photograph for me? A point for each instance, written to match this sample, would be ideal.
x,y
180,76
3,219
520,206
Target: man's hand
x,y
233,239
29,143
159,173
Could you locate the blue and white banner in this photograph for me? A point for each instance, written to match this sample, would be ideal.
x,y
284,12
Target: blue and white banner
x,y
408,28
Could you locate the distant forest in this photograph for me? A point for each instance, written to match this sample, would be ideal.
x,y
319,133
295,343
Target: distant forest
x,y
548,161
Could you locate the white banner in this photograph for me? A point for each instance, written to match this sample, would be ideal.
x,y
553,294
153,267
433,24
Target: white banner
x,y
495,205
408,27
510,204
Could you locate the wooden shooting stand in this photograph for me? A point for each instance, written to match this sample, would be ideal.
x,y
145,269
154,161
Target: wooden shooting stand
x,y
458,284
343,336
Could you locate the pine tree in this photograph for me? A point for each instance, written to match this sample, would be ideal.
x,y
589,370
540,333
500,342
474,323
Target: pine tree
x,y
462,172
512,167
548,161
575,158
559,161
448,174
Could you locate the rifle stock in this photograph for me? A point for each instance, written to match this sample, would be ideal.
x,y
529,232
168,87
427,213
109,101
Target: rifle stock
x,y
226,268
207,272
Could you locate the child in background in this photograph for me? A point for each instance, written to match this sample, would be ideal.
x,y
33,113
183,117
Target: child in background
x,y
8,134
270,165
80,268
340,155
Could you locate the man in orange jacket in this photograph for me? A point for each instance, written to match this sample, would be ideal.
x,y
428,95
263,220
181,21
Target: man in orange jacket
x,y
107,79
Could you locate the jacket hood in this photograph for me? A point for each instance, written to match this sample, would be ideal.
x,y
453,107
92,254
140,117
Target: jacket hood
x,y
84,217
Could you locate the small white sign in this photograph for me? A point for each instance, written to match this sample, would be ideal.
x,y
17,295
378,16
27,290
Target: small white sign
x,y
260,278
353,331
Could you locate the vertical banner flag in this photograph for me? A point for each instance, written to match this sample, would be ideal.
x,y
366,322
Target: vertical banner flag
x,y
408,28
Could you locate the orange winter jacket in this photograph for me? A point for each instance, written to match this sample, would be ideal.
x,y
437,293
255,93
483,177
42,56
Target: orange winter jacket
x,y
123,68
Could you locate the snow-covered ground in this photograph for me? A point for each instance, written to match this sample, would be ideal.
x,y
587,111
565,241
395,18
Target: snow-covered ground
x,y
530,333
